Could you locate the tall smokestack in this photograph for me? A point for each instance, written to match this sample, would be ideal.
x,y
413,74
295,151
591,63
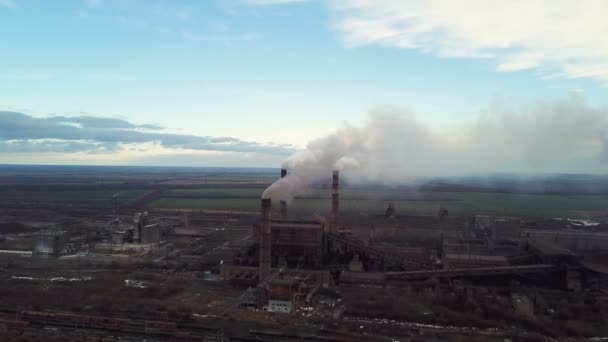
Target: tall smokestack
x,y
265,239
335,200
283,202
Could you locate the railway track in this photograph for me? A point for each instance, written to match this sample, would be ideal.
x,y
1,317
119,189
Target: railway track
x,y
105,328
471,272
128,326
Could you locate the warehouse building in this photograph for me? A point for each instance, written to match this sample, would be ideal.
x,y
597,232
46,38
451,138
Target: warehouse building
x,y
50,243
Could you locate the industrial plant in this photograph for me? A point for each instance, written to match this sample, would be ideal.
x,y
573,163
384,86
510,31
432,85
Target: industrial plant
x,y
281,273
409,250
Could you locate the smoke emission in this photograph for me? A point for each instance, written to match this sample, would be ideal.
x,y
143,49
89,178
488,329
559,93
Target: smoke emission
x,y
567,136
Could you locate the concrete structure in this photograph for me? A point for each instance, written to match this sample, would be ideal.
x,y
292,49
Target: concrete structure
x,y
139,221
507,227
464,253
574,240
143,230
355,265
265,258
50,243
119,237
281,295
298,242
453,260
483,225
387,256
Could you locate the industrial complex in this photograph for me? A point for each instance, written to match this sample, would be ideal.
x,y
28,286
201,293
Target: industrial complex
x,y
321,276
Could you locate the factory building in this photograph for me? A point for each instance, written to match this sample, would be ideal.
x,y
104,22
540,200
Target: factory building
x,y
119,236
150,234
288,242
139,221
574,240
296,243
281,295
143,231
50,244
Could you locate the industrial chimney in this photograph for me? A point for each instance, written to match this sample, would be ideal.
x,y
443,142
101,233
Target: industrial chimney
x,y
335,201
265,239
283,203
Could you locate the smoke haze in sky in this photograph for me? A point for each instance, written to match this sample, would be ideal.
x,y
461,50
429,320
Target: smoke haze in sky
x,y
392,147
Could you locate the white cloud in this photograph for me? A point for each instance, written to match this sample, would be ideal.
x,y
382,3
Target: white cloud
x,y
8,3
189,35
252,36
272,2
92,3
563,37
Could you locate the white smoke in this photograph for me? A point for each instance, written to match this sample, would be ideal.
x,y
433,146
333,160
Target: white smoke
x,y
566,136
285,188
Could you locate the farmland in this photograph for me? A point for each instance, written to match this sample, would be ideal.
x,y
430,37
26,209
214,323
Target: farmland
x,y
231,189
405,201
82,198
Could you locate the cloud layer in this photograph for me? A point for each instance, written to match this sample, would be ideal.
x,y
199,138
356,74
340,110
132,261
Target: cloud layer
x,y
562,38
24,133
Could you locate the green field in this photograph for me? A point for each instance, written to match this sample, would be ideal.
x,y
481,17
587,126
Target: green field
x,y
215,193
78,199
406,202
318,201
239,190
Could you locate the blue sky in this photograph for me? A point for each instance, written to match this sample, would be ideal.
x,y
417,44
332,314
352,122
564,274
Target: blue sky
x,y
282,72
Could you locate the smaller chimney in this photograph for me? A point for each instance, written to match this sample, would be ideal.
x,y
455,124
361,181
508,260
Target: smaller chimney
x,y
283,207
335,201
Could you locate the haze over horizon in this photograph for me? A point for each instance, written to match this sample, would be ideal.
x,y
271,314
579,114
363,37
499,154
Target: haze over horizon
x,y
404,86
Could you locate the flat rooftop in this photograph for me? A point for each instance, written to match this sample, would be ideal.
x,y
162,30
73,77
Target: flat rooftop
x,y
50,232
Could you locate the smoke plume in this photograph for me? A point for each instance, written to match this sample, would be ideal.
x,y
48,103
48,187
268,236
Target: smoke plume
x,y
567,136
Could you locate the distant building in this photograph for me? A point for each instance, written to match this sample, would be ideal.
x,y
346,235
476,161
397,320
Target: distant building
x,y
145,232
355,265
281,295
50,243
452,260
470,253
299,242
119,236
150,234
574,240
139,221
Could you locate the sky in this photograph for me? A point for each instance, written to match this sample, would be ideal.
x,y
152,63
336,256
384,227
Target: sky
x,y
250,82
